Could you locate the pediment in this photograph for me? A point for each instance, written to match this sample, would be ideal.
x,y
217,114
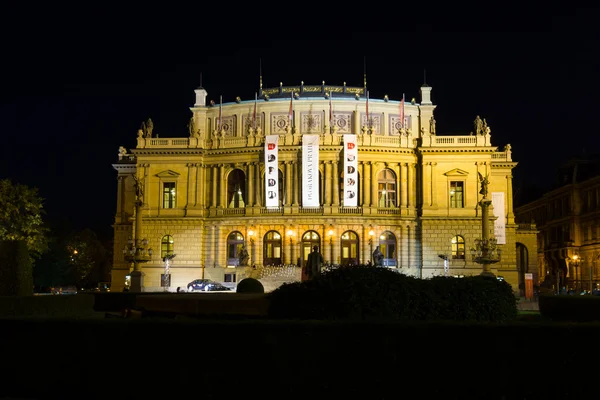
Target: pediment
x,y
456,172
168,174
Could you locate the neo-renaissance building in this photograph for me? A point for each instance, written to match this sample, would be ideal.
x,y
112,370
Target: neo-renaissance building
x,y
299,166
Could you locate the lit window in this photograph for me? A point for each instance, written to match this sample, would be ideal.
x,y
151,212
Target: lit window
x,y
169,195
456,194
458,248
166,246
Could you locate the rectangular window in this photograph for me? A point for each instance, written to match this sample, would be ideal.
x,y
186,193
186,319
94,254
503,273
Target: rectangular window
x,y
456,194
230,278
169,195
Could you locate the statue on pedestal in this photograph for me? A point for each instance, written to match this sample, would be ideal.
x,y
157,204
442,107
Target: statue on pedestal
x,y
484,184
243,256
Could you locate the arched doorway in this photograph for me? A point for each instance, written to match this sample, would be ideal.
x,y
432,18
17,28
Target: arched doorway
x,y
235,241
349,250
309,239
388,246
272,248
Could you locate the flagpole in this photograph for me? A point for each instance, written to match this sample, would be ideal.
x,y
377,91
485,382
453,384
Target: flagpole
x,y
254,115
220,112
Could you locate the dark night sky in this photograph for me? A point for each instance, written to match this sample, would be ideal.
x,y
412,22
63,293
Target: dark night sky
x,y
77,83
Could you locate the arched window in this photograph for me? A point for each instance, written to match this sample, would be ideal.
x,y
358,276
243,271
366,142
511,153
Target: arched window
x,y
272,248
387,246
235,241
386,190
349,242
166,246
458,248
309,240
236,189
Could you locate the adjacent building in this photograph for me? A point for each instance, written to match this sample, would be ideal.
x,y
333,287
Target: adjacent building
x,y
313,165
568,221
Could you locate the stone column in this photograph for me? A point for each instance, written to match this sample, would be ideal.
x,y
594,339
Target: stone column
x,y
403,185
217,246
367,184
404,246
427,185
374,184
288,183
146,184
120,183
223,187
411,185
190,186
296,182
257,186
250,183
336,184
327,183
509,200
215,169
433,184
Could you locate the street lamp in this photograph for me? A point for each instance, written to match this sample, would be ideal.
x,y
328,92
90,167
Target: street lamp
x,y
136,251
575,264
371,235
290,234
251,236
486,250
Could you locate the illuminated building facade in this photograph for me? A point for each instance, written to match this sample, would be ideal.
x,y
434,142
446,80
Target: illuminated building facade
x,y
307,165
568,221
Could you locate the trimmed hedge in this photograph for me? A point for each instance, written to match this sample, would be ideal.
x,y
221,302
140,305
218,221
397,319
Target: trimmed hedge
x,y
570,308
76,305
367,293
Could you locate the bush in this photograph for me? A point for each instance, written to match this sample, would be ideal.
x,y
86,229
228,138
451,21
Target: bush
x,y
353,292
250,285
367,293
16,270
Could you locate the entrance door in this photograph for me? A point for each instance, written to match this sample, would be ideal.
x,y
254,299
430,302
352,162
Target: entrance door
x,y
349,242
309,240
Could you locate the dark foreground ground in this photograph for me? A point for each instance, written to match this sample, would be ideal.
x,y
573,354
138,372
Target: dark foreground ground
x,y
93,358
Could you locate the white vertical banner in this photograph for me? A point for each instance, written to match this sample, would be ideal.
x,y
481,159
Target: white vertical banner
x,y
310,171
500,223
271,171
350,171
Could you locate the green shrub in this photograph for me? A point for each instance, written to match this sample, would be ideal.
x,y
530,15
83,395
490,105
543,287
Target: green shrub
x,y
353,292
250,285
472,298
16,270
366,293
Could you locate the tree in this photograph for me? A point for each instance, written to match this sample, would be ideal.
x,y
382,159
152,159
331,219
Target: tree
x,y
21,210
87,257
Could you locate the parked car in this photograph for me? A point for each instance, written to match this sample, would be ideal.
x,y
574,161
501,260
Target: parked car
x,y
205,285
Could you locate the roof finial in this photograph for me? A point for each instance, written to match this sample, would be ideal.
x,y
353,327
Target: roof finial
x,y
200,79
424,77
365,73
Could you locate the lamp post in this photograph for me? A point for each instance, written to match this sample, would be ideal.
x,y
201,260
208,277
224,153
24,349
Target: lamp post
x,y
137,251
575,263
486,251
290,234
251,236
595,259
